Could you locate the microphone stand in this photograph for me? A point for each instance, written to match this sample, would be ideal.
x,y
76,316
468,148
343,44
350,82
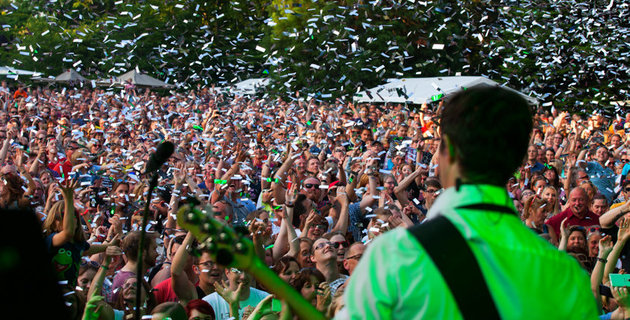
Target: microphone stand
x,y
139,273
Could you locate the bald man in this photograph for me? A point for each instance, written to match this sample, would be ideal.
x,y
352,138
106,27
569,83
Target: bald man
x,y
577,214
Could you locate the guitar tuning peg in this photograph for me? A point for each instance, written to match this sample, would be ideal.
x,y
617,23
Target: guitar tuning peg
x,y
240,247
207,227
224,237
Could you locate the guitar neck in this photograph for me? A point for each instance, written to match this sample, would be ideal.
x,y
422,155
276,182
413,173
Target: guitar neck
x,y
283,290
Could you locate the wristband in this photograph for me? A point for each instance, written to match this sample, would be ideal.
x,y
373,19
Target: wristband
x,y
105,267
602,260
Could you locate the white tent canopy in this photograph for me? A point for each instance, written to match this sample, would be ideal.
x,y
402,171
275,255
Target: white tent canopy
x,y
135,77
70,75
13,73
424,90
250,86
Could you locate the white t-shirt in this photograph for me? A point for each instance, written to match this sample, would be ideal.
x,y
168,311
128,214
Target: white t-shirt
x,y
222,309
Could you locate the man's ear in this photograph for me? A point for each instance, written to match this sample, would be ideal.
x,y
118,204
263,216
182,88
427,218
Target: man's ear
x,y
446,144
196,269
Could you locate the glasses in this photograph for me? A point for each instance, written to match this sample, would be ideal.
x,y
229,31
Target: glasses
x,y
355,257
339,150
593,229
431,191
234,270
320,226
625,160
309,185
206,317
207,264
338,244
94,264
583,177
321,245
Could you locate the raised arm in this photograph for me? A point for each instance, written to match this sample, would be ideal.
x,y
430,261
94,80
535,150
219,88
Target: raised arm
x,y
69,219
609,218
342,222
97,283
182,286
404,184
278,189
564,231
622,237
605,246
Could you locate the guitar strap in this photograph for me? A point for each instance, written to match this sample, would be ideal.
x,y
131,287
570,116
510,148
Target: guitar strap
x,y
453,257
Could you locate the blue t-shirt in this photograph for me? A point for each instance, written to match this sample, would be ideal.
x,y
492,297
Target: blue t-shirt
x,y
66,259
602,178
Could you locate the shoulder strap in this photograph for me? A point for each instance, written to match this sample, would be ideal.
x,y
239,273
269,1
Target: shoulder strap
x,y
453,257
489,207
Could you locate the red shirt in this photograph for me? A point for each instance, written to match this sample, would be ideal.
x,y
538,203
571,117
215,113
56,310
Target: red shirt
x,y
590,219
163,292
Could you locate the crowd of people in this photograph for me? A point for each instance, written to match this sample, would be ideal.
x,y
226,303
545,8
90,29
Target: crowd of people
x,y
314,182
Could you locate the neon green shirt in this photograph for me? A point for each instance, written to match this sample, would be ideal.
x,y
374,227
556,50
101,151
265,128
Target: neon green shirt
x,y
527,277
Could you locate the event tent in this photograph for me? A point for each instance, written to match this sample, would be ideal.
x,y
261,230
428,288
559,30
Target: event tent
x,y
424,90
6,70
139,79
250,86
70,75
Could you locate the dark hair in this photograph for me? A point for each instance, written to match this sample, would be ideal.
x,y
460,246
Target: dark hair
x,y
131,242
432,182
171,310
600,196
299,210
199,305
304,276
489,125
283,264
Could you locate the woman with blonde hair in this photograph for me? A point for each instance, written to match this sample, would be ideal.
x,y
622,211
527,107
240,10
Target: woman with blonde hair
x,y
550,194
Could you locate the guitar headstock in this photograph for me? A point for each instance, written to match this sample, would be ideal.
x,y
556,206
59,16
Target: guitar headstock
x,y
228,248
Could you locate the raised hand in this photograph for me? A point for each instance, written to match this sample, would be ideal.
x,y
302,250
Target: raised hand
x,y
565,229
231,297
68,187
262,309
324,296
342,197
605,246
291,194
624,229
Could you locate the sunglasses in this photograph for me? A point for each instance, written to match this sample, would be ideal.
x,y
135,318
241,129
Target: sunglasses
x,y
338,244
625,160
593,229
309,185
